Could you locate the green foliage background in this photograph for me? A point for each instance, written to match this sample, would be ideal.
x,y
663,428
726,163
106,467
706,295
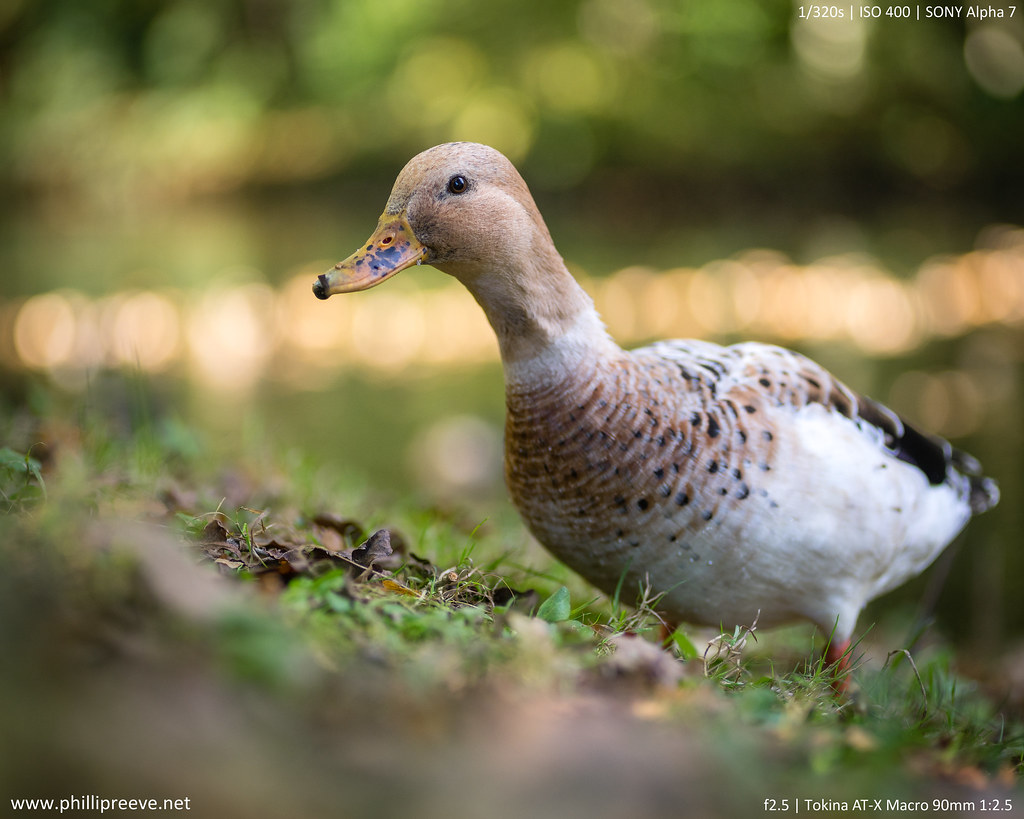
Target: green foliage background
x,y
173,97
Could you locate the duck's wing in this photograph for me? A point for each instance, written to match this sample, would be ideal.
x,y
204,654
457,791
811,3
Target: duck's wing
x,y
755,374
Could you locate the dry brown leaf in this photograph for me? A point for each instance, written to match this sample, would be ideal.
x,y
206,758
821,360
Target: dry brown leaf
x,y
349,529
330,538
376,552
215,531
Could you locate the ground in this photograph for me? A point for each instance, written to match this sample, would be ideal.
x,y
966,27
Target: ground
x,y
264,640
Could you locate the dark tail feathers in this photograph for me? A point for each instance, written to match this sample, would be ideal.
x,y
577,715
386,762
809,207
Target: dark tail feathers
x,y
984,492
934,456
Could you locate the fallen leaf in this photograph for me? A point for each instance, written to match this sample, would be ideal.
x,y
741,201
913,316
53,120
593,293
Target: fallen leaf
x,y
376,552
330,538
398,588
349,529
215,531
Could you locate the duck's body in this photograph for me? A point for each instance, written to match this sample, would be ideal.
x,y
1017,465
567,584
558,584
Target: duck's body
x,y
739,483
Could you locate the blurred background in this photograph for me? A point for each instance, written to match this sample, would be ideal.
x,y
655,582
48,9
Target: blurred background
x,y
174,174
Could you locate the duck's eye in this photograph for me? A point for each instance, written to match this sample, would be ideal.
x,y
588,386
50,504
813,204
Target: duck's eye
x,y
458,184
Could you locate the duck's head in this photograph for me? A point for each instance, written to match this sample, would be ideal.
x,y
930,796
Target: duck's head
x,y
464,209
460,207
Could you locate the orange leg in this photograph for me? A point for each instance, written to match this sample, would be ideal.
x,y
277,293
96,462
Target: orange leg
x,y
839,657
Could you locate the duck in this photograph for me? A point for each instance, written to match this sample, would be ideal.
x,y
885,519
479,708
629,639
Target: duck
x,y
736,484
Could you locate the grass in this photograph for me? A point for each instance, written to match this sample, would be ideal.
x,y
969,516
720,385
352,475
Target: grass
x,y
181,626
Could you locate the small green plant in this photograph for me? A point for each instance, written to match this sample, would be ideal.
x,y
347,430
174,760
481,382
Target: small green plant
x,y
21,479
556,608
723,656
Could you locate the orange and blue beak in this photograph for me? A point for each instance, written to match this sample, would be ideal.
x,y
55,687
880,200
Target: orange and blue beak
x,y
392,247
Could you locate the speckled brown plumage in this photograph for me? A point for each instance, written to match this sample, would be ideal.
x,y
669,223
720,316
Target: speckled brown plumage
x,y
738,483
672,448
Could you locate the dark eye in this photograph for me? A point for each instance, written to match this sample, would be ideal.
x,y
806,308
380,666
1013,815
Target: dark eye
x,y
458,184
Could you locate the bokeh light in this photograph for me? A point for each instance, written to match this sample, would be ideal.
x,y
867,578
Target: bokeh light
x,y
500,117
231,333
570,78
45,329
146,331
995,60
231,336
831,47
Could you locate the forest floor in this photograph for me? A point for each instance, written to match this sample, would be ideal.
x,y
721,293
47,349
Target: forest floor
x,y
263,638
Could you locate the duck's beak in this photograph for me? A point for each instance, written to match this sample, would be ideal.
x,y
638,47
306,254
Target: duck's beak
x,y
392,247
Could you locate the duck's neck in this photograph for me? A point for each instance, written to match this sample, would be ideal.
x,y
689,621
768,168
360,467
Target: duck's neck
x,y
545,322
